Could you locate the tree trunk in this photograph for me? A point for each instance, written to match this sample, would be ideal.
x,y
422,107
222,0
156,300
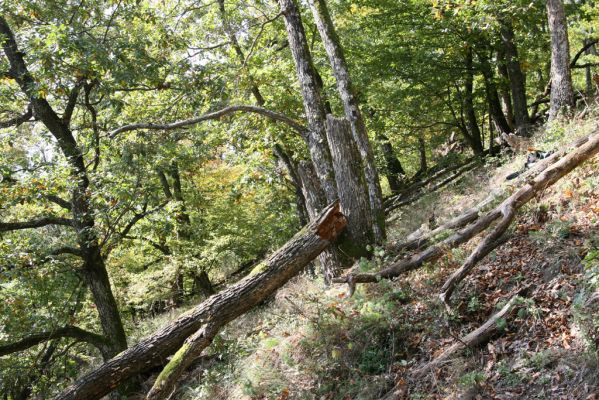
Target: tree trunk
x,y
562,93
313,104
94,269
516,79
202,284
473,137
504,91
588,71
393,168
492,96
329,259
349,99
422,152
549,170
291,167
218,310
351,186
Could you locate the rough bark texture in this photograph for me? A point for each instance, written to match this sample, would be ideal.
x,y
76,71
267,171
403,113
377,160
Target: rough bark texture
x,y
516,78
351,186
551,170
313,103
562,93
219,309
334,50
329,259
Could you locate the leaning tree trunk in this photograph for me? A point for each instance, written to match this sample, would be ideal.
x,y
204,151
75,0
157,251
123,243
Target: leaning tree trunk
x,y
562,93
313,103
80,207
516,79
214,313
334,51
351,187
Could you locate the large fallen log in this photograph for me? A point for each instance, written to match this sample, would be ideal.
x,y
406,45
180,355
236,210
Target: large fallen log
x,y
216,311
551,170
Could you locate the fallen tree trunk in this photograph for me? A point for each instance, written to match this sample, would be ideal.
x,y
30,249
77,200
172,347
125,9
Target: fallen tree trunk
x,y
480,335
216,311
416,191
475,338
510,205
552,169
416,241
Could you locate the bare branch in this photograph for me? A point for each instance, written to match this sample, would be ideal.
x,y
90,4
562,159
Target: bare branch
x,y
66,250
36,223
70,331
274,115
70,107
58,200
16,121
588,44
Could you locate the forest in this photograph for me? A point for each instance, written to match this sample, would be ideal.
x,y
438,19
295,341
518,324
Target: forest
x,y
299,199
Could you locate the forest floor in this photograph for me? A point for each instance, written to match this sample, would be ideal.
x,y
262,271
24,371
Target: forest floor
x,y
309,342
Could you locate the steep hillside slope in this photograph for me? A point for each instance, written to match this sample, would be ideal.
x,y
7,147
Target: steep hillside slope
x,y
313,343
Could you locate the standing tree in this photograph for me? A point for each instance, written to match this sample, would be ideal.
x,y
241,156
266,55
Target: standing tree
x,y
562,93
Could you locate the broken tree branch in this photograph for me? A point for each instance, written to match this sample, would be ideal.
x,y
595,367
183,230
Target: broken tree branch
x,y
488,244
219,309
480,335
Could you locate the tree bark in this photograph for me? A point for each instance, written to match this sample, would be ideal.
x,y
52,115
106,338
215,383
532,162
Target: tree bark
x,y
218,310
329,259
516,78
504,91
353,194
473,137
336,56
492,96
291,167
562,93
394,170
313,103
